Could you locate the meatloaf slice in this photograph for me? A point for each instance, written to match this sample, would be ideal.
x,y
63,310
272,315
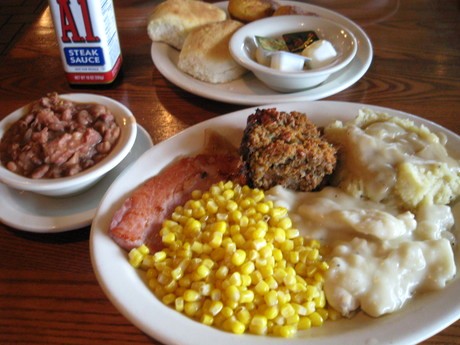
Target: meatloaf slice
x,y
280,148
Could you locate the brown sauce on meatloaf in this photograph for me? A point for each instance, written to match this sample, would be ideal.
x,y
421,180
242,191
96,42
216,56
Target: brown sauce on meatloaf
x,y
58,138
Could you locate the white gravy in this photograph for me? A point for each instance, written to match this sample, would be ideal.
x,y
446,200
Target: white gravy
x,y
379,257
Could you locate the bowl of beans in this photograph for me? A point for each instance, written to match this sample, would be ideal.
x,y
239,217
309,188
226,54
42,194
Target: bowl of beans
x,y
61,145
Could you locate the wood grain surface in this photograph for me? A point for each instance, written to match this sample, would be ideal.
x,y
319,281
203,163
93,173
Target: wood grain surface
x,y
48,291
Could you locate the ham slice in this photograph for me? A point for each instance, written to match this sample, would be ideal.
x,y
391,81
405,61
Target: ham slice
x,y
140,218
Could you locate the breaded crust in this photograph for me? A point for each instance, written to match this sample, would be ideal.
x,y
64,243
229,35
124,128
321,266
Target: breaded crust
x,y
280,148
250,10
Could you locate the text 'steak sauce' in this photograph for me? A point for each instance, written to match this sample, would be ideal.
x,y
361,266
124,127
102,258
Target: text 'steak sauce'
x,y
87,34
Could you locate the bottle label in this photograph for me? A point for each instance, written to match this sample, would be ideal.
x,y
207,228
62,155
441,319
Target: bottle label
x,y
87,34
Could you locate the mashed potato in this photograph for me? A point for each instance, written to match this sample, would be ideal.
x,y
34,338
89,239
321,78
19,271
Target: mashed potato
x,y
391,160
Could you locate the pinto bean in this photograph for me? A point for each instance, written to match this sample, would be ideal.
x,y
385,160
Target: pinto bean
x,y
12,166
40,171
84,118
104,147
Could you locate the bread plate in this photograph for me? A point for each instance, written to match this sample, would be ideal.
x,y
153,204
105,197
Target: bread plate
x,y
248,90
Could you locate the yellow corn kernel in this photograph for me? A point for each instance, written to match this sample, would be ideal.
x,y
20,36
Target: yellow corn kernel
x,y
279,235
239,240
272,283
191,308
248,267
227,312
197,247
238,257
232,293
244,316
267,251
323,312
246,280
287,310
197,194
266,270
258,325
235,279
285,223
179,304
320,301
293,234
169,298
246,296
211,207
262,288
135,257
169,238
177,273
283,297
279,274
216,239
215,295
228,194
271,298
290,280
220,226
222,272
309,307
207,319
287,246
316,319
304,323
191,295
263,208
333,315
244,221
204,289
277,254
235,326
215,307
294,257
259,232
232,304
231,206
159,256
323,266
278,212
203,271
313,255
287,331
271,312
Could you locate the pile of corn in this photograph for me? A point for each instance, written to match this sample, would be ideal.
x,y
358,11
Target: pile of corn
x,y
233,260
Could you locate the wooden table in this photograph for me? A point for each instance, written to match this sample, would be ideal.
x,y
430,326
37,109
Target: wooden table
x,y
48,291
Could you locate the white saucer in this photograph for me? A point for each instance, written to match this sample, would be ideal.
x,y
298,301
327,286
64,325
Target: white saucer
x,y
249,90
37,213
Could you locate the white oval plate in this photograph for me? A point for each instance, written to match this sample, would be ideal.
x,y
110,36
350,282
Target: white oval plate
x,y
248,90
38,213
423,317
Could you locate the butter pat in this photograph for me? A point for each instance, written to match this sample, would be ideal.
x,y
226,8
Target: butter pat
x,y
321,53
288,62
263,56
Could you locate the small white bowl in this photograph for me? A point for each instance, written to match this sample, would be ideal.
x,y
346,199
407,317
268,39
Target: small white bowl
x,y
243,49
65,186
